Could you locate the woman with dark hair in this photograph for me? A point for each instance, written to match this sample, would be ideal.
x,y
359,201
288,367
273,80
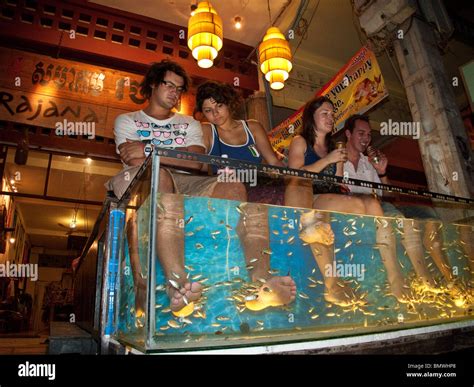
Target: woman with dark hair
x,y
244,140
312,151
224,135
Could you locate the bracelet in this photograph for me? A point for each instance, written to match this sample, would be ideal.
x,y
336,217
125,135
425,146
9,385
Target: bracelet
x,y
385,174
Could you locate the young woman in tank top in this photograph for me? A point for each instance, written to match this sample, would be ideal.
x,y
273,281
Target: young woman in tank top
x,y
312,151
245,140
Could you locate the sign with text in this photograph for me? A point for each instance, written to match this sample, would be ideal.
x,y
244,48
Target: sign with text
x,y
43,91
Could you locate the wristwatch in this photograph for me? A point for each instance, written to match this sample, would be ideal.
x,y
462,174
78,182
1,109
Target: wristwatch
x,y
385,174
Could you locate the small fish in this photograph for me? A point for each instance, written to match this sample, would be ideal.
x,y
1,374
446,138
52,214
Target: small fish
x,y
253,260
164,327
189,234
222,318
239,210
177,276
303,296
215,232
314,316
174,324
267,251
198,246
228,227
332,314
200,314
173,283
215,325
290,239
336,251
348,243
275,232
198,228
189,220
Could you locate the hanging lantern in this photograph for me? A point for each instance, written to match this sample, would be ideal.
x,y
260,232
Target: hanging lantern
x,y
275,58
205,34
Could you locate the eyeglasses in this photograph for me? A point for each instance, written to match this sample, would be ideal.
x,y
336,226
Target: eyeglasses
x,y
140,124
172,87
166,134
143,133
177,140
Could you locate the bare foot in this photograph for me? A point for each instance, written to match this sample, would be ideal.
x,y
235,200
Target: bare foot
x,y
401,291
340,294
182,299
276,291
313,230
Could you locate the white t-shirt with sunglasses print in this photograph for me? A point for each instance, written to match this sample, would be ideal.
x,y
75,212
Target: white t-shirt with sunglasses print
x,y
175,132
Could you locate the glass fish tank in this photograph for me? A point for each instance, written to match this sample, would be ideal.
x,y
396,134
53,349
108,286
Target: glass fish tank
x,y
197,272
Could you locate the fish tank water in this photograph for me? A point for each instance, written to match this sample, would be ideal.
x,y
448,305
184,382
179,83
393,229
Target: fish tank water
x,y
216,294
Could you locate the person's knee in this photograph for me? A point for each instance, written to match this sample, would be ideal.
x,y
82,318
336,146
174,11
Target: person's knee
x,y
357,205
372,206
231,191
166,182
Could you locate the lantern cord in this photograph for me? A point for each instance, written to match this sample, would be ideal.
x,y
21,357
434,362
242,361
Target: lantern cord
x,y
269,12
283,9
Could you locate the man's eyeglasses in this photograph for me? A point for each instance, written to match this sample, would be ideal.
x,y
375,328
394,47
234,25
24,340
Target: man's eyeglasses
x,y
172,87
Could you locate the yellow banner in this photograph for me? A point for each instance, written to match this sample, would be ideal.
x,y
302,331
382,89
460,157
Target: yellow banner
x,y
356,88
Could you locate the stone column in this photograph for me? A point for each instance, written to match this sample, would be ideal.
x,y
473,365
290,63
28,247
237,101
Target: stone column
x,y
443,142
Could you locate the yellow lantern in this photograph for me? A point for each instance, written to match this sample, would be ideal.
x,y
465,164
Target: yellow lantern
x,y
275,58
205,34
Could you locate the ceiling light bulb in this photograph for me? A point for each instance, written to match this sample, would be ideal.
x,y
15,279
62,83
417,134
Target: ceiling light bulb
x,y
193,9
89,160
73,224
12,240
12,182
238,22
